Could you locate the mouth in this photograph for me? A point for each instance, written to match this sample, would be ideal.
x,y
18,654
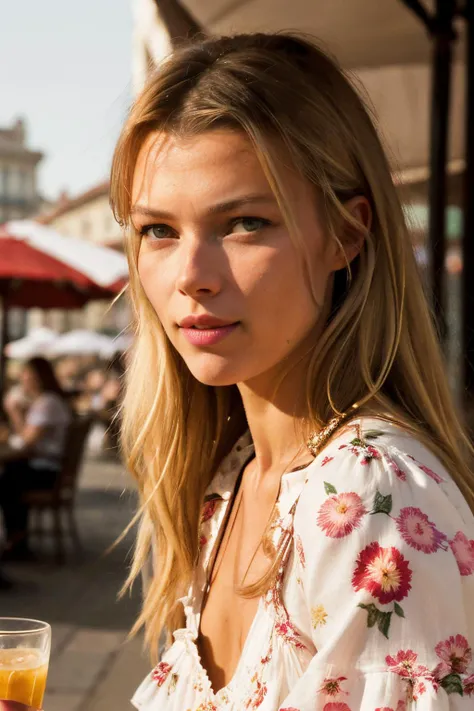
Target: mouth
x,y
208,334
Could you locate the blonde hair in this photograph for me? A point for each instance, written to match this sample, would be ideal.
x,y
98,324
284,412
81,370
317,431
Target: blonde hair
x,y
379,348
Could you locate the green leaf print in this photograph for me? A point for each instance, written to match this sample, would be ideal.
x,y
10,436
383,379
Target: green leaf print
x,y
373,614
329,488
377,617
399,610
383,622
373,434
452,684
382,504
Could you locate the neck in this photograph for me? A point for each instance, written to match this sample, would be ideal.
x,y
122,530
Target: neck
x,y
276,421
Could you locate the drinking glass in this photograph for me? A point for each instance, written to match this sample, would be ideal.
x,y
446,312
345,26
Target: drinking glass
x,y
24,657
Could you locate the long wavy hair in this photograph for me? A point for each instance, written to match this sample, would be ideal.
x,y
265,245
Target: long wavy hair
x,y
379,350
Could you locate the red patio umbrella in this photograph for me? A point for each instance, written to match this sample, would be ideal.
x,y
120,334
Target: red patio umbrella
x,y
31,278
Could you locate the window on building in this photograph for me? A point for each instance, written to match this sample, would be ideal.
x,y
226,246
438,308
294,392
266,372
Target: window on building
x,y
5,181
86,228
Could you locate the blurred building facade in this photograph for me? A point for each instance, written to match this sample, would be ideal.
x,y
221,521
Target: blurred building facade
x,y
19,196
86,216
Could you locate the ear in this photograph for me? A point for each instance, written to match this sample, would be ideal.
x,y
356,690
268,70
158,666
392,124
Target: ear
x,y
352,238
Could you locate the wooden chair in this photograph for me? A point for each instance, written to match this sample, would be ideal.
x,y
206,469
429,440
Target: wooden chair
x,y
62,497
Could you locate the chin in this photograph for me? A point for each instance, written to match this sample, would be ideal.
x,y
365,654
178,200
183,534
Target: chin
x,y
214,370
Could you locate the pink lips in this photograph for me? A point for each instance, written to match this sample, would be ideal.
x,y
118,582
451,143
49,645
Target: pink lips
x,y
210,331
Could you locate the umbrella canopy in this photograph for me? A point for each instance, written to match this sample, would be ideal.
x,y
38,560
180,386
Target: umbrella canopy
x,y
35,343
40,268
79,342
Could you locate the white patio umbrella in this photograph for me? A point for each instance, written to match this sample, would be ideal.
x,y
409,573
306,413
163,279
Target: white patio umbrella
x,y
79,342
118,345
36,343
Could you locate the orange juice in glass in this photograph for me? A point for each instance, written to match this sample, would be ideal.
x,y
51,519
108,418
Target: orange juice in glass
x,y
24,658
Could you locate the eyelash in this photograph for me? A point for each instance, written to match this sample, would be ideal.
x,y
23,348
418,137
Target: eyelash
x,y
264,223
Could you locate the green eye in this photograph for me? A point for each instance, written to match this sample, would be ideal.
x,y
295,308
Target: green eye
x,y
156,232
249,224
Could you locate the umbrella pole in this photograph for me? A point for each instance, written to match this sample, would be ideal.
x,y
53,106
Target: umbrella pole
x,y
3,342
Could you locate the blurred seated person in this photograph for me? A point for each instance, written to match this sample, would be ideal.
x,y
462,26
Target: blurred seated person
x,y
39,417
109,400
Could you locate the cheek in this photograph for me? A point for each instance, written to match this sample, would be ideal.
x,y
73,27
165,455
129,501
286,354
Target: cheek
x,y
153,280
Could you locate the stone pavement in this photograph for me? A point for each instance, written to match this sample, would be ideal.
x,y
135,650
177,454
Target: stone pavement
x,y
93,666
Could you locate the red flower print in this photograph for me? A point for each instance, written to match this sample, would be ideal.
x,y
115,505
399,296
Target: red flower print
x,y
383,708
160,673
336,706
325,461
383,572
456,652
341,514
469,685
463,550
208,510
332,687
418,531
300,550
202,541
258,694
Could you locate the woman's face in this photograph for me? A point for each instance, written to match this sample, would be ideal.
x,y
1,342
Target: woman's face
x,y
30,383
216,259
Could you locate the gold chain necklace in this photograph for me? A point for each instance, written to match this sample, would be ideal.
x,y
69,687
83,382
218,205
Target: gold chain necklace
x,y
315,444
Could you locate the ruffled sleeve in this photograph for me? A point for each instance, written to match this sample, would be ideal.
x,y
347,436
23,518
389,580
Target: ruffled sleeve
x,y
386,554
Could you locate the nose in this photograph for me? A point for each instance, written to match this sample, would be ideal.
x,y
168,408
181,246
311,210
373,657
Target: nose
x,y
199,273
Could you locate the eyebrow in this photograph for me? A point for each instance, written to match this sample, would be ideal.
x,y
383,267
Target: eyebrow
x,y
217,209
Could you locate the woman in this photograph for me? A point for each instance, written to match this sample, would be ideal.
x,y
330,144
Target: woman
x,y
39,430
325,560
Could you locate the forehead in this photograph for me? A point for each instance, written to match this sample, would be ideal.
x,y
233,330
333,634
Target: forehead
x,y
213,163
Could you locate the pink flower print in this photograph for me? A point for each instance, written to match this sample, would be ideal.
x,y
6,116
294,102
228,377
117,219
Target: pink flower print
x,y
300,551
427,470
405,664
336,706
401,706
418,689
332,686
161,672
326,460
341,514
399,473
208,510
456,652
369,454
383,572
289,633
436,477
418,531
468,685
463,550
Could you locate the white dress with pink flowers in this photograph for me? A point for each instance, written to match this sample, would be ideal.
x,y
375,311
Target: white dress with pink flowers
x,y
373,609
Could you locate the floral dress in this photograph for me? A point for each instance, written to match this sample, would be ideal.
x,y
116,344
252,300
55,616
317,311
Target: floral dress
x,y
373,607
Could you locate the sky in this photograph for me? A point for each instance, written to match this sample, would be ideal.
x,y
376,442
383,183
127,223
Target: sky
x,y
66,68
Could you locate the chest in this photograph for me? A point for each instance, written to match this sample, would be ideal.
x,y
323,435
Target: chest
x,y
242,559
